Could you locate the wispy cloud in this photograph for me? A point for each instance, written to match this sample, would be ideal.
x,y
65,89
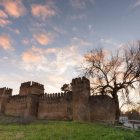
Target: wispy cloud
x,y
3,14
61,60
13,30
81,42
42,11
4,21
25,41
56,63
81,4
14,8
137,3
5,42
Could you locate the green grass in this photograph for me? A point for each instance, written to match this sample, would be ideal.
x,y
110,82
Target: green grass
x,y
65,131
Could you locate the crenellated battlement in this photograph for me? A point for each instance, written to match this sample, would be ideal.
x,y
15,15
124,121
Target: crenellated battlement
x,y
32,83
80,81
26,84
56,96
5,91
75,105
37,85
31,88
17,98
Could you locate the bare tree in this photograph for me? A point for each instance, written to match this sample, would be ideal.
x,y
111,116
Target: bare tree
x,y
114,73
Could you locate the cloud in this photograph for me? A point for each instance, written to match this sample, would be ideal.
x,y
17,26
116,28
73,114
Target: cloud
x,y
78,17
59,30
43,38
5,42
17,31
14,8
50,66
81,42
3,14
60,58
32,55
42,11
4,21
25,41
109,42
136,4
13,30
81,4
54,65
36,55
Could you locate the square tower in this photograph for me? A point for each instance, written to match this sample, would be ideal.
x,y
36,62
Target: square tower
x,y
31,88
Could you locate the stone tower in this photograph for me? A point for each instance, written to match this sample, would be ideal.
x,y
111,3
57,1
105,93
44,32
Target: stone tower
x,y
5,93
31,88
80,99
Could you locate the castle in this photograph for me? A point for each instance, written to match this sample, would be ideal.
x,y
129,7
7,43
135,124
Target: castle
x,y
78,105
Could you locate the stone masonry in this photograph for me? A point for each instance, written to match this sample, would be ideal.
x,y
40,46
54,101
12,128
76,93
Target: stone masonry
x,y
76,105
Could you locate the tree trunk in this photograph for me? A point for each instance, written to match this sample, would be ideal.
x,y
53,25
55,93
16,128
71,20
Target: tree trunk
x,y
116,100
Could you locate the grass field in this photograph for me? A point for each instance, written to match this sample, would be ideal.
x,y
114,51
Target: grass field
x,y
65,131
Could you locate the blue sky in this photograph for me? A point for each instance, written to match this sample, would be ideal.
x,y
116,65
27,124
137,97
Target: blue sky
x,y
45,40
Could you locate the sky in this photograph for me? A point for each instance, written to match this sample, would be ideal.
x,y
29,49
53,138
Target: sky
x,y
45,40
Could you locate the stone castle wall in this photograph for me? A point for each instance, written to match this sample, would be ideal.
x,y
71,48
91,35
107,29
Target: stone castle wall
x,y
76,105
102,108
55,106
16,106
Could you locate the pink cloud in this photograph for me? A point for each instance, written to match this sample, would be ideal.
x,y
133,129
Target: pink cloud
x,y
5,42
14,8
35,55
42,11
3,14
4,22
32,55
51,50
43,38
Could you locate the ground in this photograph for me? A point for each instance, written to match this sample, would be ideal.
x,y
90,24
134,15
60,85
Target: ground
x,y
55,130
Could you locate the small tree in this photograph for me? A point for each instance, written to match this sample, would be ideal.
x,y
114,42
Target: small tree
x,y
66,88
114,73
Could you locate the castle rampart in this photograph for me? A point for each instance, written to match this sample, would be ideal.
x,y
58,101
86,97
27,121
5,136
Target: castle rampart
x,y
55,106
77,104
16,106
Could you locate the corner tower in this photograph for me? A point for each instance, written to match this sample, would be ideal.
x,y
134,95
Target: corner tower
x,y
5,94
80,99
